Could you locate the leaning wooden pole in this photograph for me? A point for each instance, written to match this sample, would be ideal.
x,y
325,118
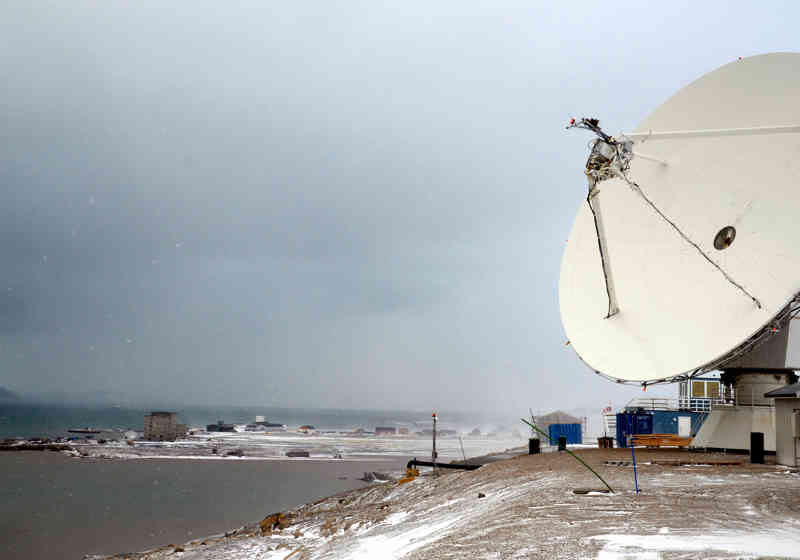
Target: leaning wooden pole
x,y
571,453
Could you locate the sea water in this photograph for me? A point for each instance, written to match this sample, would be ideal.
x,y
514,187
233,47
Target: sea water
x,y
53,506
53,420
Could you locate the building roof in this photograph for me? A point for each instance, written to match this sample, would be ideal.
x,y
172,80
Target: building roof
x,y
787,391
557,417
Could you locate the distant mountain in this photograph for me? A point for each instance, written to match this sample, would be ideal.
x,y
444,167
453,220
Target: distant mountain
x,y
8,395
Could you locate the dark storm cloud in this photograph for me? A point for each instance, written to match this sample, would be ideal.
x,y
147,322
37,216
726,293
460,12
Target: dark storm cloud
x,y
316,204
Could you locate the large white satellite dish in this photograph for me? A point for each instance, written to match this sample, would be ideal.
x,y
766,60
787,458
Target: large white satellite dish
x,y
697,226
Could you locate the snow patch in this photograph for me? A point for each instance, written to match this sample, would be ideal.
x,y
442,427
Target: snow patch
x,y
448,503
619,546
398,545
396,518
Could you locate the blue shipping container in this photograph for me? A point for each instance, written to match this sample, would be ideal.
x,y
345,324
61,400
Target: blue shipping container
x,y
666,421
654,422
570,431
629,423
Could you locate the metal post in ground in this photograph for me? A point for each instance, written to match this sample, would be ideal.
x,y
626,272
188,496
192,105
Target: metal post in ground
x,y
581,461
635,474
633,453
433,453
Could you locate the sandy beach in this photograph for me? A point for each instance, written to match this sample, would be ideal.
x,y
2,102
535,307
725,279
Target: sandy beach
x,y
691,505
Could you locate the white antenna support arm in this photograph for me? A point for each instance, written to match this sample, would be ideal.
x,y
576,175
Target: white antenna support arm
x,y
605,259
649,158
712,132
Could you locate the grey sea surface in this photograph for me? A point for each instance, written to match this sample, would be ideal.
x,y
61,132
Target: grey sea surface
x,y
33,419
53,506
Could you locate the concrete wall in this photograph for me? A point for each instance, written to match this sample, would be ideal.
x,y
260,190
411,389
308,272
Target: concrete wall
x,y
786,454
730,427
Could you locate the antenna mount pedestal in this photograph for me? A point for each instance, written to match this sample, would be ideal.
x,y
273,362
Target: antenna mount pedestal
x,y
761,370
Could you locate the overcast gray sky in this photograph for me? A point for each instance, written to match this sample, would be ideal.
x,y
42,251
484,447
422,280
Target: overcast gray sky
x,y
338,204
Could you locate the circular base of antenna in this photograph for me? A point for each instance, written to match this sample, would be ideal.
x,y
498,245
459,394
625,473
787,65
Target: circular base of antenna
x,y
750,384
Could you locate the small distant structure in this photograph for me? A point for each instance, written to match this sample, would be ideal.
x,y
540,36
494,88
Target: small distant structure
x,y
385,431
163,426
307,428
262,425
557,417
220,426
560,424
446,433
787,423
402,431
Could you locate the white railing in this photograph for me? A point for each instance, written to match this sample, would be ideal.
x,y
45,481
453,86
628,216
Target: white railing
x,y
653,404
692,404
727,398
698,404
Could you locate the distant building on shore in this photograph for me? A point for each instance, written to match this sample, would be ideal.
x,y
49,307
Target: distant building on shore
x,y
163,426
385,431
559,423
557,417
262,425
220,426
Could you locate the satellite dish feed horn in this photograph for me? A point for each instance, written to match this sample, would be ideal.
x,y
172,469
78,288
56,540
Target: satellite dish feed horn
x,y
608,158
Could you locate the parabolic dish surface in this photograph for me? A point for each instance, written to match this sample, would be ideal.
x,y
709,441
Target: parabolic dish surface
x,y
678,313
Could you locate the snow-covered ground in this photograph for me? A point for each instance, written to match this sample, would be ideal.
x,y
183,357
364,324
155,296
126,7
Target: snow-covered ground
x,y
526,508
321,446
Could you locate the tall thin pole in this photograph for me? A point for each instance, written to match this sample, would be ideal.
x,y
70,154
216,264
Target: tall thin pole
x,y
633,453
533,427
433,453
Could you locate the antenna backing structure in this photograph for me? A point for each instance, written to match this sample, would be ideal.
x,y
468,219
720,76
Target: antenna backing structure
x,y
685,255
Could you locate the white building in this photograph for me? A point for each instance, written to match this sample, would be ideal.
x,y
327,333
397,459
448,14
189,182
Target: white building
x,y
787,423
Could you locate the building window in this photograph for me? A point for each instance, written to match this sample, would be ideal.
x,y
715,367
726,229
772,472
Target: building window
x,y
699,389
712,387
